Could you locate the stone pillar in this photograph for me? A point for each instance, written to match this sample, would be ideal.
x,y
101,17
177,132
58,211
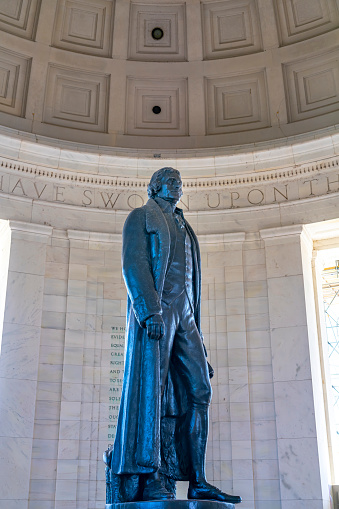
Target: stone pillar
x,y
260,433
48,400
19,359
304,467
95,303
229,455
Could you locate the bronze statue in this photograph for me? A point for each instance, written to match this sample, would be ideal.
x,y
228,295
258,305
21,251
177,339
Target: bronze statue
x,y
163,420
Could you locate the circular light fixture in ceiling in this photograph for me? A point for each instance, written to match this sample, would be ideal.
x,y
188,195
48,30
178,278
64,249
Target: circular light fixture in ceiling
x,y
157,33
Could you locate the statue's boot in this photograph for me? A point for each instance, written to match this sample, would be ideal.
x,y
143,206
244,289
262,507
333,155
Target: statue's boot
x,y
205,491
199,488
155,488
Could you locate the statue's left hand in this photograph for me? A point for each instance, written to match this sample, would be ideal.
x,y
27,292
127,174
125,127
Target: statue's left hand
x,y
155,327
107,456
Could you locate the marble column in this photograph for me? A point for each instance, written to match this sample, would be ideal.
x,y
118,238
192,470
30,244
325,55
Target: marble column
x,y
259,435
303,454
20,358
229,455
95,304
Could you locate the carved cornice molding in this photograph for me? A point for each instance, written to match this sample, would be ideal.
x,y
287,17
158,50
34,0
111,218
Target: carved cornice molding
x,y
269,234
73,177
267,187
195,184
279,235
264,176
36,232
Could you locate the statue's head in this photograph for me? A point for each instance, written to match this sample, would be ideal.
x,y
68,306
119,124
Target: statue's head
x,y
166,183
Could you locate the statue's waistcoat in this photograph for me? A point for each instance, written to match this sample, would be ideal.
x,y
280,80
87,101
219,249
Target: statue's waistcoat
x,y
179,277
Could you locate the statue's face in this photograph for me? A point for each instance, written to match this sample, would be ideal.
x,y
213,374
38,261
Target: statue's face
x,y
171,189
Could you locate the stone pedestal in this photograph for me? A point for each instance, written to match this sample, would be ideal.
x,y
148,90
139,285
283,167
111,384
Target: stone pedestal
x,y
173,504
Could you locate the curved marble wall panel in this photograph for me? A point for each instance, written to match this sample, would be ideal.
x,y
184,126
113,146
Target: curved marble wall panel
x,y
66,176
65,313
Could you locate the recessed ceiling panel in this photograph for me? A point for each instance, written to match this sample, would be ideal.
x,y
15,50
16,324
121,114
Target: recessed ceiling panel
x,y
231,28
76,98
157,32
19,17
84,27
299,19
14,79
237,103
312,86
156,107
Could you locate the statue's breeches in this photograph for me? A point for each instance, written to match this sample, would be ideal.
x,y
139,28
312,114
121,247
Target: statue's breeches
x,y
182,345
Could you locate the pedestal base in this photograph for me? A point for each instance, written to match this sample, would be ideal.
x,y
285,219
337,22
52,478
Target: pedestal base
x,y
172,504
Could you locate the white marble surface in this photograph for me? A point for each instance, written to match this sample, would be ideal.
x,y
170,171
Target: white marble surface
x,y
290,353
286,301
33,261
29,311
47,410
278,265
298,482
19,349
255,326
48,391
267,489
40,489
17,407
15,454
241,449
260,374
305,504
296,398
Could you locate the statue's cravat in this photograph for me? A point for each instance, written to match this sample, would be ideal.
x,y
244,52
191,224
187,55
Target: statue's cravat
x,y
180,220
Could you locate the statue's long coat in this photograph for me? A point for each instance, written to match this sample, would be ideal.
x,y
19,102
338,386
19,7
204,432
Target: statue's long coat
x,y
145,260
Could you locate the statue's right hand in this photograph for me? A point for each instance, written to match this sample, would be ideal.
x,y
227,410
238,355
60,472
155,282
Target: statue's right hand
x,y
155,327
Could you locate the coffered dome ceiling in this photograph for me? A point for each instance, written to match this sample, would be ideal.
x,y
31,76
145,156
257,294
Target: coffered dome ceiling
x,y
169,75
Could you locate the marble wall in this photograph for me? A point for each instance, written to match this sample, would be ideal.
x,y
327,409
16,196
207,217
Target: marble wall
x,y
19,360
62,361
80,355
62,209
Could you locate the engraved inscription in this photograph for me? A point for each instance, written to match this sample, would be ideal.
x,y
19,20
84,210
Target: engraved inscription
x,y
115,378
220,198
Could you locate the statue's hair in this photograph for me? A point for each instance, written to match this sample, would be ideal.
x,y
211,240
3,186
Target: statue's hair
x,y
156,180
